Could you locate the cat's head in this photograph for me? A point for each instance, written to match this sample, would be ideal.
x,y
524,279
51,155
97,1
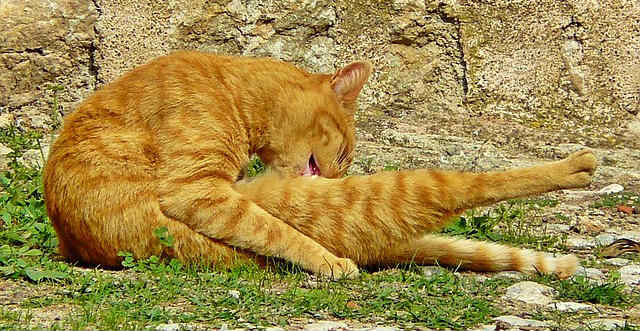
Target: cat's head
x,y
315,133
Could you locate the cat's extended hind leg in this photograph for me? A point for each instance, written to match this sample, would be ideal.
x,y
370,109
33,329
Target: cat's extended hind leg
x,y
376,219
465,190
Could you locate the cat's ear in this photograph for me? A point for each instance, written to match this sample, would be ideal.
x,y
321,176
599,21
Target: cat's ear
x,y
348,81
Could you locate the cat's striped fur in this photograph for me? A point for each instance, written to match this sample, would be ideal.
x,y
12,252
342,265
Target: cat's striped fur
x,y
163,146
395,211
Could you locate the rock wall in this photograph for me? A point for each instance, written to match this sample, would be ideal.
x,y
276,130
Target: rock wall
x,y
46,48
455,80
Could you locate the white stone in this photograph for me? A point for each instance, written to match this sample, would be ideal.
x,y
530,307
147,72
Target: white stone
x,y
605,324
486,328
520,322
237,9
34,158
6,120
562,228
509,274
591,273
634,126
530,292
431,270
609,189
617,261
4,150
234,293
630,274
325,326
606,239
168,327
631,235
408,4
570,307
580,243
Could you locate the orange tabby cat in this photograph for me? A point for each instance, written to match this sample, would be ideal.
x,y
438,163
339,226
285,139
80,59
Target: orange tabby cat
x,y
164,145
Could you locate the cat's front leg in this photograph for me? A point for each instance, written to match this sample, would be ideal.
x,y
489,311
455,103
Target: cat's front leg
x,y
225,215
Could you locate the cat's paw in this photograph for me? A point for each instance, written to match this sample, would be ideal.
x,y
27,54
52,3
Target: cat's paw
x,y
580,167
583,161
339,268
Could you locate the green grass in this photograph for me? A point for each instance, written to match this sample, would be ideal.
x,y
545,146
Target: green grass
x,y
255,167
580,289
615,199
27,239
154,291
512,222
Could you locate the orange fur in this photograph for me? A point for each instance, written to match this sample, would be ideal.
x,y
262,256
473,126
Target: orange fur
x,y
163,146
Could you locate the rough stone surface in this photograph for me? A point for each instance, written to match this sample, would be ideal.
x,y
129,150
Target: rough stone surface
x,y
610,189
515,321
605,324
580,243
591,273
606,239
561,228
6,120
509,274
34,157
325,326
530,292
466,79
632,235
45,44
430,270
234,294
617,261
4,155
630,274
589,225
169,327
570,307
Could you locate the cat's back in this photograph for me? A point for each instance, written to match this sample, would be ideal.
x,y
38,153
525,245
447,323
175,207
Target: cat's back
x,y
130,106
170,83
143,91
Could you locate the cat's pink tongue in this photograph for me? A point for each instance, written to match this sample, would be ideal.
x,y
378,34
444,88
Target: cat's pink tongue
x,y
311,169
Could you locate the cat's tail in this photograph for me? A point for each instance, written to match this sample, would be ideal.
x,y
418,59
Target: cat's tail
x,y
482,256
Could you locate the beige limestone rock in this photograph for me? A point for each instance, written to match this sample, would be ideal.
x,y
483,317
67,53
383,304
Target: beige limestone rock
x,y
454,83
45,44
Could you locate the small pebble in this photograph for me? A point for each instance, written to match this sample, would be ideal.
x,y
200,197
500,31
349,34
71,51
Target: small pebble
x,y
606,239
430,270
630,274
530,292
325,326
570,307
591,273
515,321
617,261
610,189
580,243
605,324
